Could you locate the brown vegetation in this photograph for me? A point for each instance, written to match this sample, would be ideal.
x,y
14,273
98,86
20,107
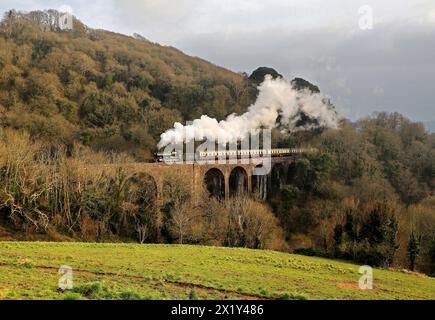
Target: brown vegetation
x,y
105,90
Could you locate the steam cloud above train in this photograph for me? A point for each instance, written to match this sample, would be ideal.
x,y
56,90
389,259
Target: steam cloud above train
x,y
278,105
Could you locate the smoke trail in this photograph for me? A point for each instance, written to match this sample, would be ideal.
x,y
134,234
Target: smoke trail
x,y
277,105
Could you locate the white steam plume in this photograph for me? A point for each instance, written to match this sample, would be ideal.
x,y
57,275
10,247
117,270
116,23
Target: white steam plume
x,y
277,105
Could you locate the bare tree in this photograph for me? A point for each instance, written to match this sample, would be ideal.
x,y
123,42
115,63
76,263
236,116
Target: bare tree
x,y
183,217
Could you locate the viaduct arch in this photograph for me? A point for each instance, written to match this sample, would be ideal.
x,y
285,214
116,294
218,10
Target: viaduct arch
x,y
214,181
238,183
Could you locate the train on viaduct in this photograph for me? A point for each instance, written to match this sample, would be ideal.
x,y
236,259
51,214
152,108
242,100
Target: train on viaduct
x,y
219,180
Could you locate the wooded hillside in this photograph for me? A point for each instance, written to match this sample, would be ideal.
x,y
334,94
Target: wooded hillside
x,y
106,90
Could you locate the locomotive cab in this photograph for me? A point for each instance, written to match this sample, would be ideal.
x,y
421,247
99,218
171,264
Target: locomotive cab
x,y
168,157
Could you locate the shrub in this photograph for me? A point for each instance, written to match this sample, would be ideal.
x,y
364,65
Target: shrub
x,y
95,291
253,225
291,296
311,252
193,295
129,295
72,296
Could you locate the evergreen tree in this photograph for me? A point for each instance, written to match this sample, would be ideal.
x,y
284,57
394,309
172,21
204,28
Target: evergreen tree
x,y
349,227
338,240
432,257
413,250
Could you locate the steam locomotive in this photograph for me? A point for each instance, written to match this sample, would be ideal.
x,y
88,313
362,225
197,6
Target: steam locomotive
x,y
177,157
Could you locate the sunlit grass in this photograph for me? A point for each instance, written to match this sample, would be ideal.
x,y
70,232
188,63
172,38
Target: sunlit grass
x,y
127,271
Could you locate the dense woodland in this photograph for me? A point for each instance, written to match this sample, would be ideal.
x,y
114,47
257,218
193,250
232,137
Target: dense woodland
x,y
70,99
105,90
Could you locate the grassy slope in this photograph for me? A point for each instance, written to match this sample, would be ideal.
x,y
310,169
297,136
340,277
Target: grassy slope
x,y
29,270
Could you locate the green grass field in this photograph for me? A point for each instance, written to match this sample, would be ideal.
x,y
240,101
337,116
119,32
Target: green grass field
x,y
126,271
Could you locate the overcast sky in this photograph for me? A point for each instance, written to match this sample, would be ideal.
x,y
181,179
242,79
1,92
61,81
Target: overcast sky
x,y
390,67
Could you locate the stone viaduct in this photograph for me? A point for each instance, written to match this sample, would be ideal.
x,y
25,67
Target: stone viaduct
x,y
222,181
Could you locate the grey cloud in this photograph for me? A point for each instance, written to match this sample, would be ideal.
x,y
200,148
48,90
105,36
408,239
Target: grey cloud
x,y
315,39
398,59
